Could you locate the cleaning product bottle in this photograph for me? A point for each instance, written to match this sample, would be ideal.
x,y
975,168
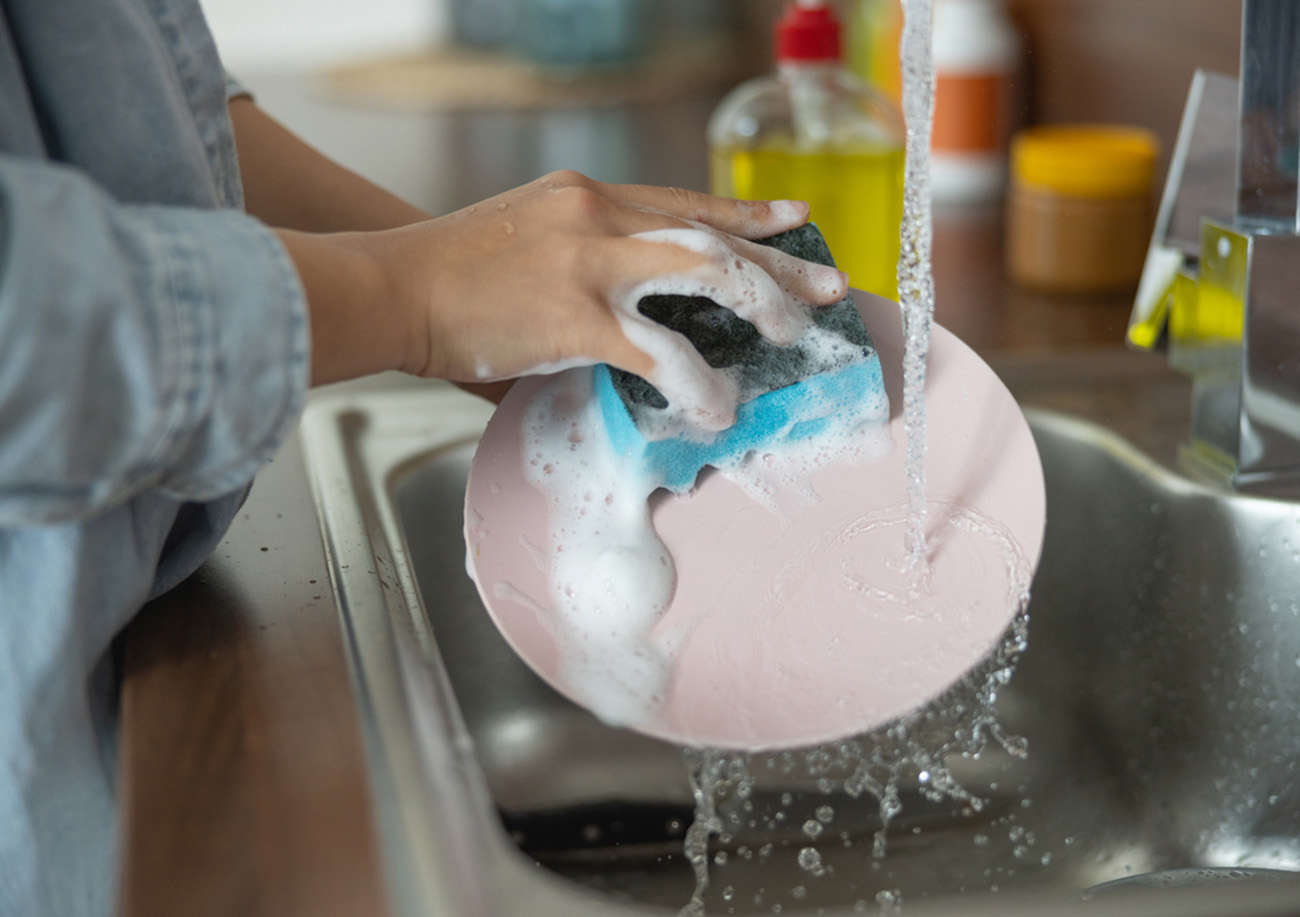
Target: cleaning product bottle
x,y
814,132
976,62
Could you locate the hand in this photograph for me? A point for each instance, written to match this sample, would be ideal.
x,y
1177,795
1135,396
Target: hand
x,y
549,275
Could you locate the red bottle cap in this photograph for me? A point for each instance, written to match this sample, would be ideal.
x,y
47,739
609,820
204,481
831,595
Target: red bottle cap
x,y
807,33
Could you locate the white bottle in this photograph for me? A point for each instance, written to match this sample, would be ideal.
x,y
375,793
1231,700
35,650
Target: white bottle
x,y
976,62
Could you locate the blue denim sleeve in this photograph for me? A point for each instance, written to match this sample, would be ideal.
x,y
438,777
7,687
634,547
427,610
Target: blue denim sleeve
x,y
235,88
140,347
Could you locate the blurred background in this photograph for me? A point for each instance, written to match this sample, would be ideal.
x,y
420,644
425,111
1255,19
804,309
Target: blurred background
x,y
1084,60
447,102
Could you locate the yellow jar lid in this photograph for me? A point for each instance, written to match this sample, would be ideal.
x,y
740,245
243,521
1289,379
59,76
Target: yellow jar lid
x,y
1086,160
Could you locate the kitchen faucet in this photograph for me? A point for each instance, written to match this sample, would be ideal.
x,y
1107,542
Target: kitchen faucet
x,y
1221,285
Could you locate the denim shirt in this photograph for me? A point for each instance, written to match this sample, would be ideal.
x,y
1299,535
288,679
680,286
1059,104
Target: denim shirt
x,y
153,354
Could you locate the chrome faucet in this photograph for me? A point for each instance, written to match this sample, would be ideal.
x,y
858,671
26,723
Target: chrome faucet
x,y
1221,286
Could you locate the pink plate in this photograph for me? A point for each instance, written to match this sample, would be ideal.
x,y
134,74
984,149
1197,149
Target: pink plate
x,y
803,630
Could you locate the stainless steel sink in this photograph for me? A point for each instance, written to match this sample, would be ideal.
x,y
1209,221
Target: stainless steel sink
x,y
1159,698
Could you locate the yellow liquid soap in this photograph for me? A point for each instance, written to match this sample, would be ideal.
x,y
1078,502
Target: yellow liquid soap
x,y
856,196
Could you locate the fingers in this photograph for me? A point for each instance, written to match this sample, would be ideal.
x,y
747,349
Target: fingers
x,y
699,396
628,210
768,288
746,219
811,283
730,281
773,295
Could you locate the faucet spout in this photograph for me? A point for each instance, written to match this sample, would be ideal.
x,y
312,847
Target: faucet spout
x,y
1269,134
1221,287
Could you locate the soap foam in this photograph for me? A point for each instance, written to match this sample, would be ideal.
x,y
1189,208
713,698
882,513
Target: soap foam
x,y
611,577
758,285
780,478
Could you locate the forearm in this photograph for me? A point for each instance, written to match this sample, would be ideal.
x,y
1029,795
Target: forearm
x,y
543,276
293,187
141,346
290,185
358,323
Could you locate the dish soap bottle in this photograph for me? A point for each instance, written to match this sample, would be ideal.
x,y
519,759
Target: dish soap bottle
x,y
813,132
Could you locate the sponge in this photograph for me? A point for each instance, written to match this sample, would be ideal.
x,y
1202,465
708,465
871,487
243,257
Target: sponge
x,y
819,383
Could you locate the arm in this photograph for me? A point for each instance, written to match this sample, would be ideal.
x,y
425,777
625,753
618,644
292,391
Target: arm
x,y
290,185
542,276
294,187
140,346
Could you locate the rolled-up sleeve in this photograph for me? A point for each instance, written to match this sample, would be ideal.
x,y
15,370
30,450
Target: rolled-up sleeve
x,y
140,347
236,89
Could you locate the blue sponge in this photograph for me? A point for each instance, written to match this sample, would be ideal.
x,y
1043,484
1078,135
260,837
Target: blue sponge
x,y
786,393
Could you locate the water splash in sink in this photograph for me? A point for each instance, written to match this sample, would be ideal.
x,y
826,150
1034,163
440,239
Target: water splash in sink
x,y
914,754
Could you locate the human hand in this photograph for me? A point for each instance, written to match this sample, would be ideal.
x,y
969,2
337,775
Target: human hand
x,y
548,276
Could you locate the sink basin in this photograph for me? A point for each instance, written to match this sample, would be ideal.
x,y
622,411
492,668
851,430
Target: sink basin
x,y
1157,700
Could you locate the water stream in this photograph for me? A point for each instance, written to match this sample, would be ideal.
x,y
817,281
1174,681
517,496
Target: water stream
x,y
916,748
915,277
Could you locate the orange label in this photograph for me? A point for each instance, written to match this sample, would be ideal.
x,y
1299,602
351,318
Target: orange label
x,y
971,113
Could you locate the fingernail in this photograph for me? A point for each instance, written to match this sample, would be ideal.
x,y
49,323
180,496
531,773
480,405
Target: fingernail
x,y
790,211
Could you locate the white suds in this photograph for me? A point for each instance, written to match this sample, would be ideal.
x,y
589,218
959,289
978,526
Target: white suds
x,y
611,577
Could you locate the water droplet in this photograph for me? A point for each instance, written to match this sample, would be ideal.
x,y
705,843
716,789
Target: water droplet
x,y
810,860
889,898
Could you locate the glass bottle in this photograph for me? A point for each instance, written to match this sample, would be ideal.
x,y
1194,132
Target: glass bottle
x,y
812,131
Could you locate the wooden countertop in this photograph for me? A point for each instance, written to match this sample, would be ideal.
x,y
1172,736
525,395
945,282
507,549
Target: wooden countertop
x,y
243,776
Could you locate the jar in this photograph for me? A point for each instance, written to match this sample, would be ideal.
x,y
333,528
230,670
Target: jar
x,y
1080,209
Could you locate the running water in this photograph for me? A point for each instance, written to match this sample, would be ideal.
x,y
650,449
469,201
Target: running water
x,y
959,724
748,803
915,280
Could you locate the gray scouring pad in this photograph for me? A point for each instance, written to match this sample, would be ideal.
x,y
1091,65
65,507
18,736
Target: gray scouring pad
x,y
829,379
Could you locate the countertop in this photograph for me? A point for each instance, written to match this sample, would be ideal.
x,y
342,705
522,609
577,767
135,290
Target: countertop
x,y
243,777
